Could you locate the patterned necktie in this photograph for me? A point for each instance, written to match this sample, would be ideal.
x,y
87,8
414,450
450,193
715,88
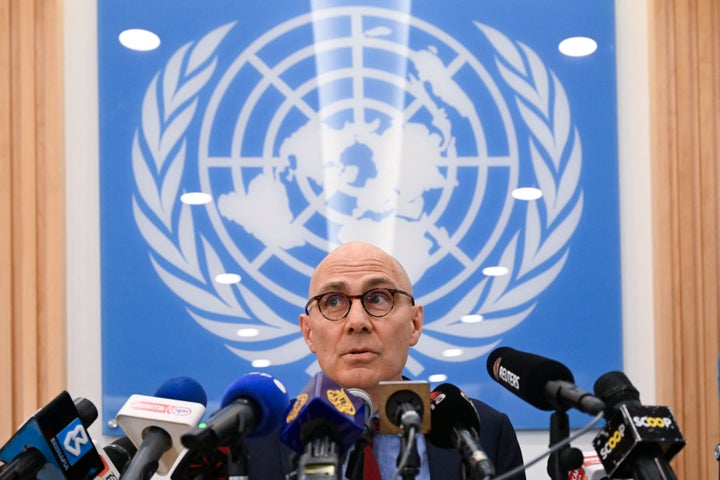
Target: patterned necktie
x,y
371,470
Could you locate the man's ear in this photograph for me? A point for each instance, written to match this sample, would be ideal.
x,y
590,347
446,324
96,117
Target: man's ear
x,y
417,323
306,331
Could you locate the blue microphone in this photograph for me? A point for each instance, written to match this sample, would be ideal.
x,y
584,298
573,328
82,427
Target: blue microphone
x,y
182,388
324,421
154,425
252,406
54,443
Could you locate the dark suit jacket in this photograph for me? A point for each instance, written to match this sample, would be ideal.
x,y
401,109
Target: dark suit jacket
x,y
271,460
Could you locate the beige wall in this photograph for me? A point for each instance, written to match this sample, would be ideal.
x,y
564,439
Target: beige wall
x,y
684,52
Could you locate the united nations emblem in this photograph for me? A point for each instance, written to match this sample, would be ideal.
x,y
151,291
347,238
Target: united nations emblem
x,y
357,123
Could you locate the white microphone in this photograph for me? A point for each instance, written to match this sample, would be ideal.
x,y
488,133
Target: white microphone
x,y
155,424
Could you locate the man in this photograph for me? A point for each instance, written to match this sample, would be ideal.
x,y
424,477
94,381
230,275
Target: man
x,y
360,321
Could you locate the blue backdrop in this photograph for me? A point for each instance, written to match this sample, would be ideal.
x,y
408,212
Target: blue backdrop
x,y
308,124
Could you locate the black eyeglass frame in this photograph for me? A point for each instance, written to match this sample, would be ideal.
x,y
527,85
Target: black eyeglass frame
x,y
361,297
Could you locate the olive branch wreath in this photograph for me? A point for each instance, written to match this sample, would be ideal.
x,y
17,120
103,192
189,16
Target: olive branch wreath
x,y
505,301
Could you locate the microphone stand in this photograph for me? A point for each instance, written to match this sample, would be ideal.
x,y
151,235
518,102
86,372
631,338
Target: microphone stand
x,y
237,460
412,464
561,461
321,460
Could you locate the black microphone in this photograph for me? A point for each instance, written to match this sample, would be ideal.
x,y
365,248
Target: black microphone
x,y
119,453
116,457
637,441
321,425
154,425
54,442
252,406
404,404
543,383
454,423
25,465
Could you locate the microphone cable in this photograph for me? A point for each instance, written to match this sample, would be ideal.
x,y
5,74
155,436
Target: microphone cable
x,y
406,454
552,448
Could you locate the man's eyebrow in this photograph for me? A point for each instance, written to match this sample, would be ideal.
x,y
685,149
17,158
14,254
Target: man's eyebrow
x,y
332,287
375,281
335,286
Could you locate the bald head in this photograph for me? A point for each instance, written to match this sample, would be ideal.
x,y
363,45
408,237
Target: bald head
x,y
360,255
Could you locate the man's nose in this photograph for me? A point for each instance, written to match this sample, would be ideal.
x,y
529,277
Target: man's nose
x,y
357,318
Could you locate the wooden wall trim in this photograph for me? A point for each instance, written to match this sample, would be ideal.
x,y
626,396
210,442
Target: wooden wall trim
x,y
6,417
685,128
32,219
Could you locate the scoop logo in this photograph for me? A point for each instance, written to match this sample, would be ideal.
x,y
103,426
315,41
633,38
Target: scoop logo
x,y
298,160
652,422
612,442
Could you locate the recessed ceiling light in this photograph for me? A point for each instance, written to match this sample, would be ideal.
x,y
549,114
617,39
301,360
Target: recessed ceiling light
x,y
261,363
471,318
452,352
437,378
495,271
527,193
227,278
139,39
577,46
195,198
248,332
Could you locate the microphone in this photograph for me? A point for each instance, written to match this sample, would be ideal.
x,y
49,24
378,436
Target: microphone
x,y
356,460
154,425
252,406
322,424
54,443
637,441
404,404
25,465
203,465
541,382
454,423
367,401
115,457
591,468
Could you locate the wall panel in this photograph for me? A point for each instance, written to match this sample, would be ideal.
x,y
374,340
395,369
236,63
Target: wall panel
x,y
32,282
685,121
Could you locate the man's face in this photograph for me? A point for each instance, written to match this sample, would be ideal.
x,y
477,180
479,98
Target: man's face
x,y
361,350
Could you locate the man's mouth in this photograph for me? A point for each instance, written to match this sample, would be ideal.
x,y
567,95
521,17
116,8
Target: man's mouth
x,y
360,353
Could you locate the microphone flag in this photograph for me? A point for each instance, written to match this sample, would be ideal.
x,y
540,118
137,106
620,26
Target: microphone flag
x,y
57,431
324,400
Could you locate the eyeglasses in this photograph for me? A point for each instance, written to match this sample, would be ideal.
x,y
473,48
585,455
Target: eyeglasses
x,y
377,302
